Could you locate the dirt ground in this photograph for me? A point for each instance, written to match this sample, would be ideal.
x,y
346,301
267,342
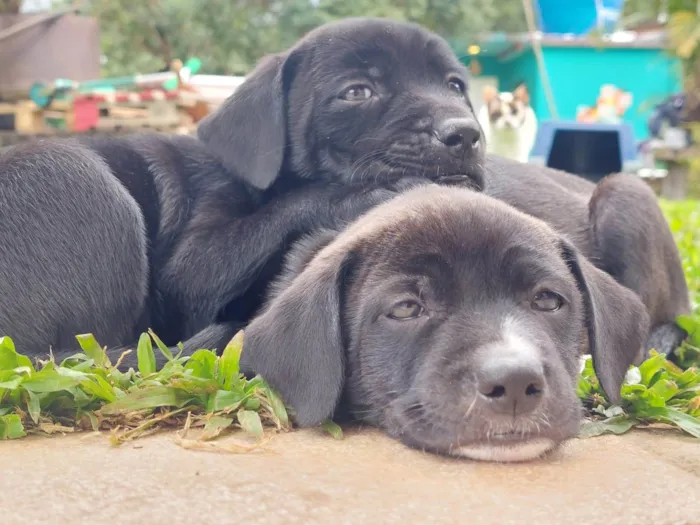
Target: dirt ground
x,y
307,477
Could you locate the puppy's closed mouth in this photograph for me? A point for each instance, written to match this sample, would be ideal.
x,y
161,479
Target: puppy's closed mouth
x,y
506,448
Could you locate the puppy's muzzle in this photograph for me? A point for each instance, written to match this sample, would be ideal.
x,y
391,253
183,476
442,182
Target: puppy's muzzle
x,y
459,135
511,386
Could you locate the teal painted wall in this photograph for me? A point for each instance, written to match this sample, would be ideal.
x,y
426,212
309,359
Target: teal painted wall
x,y
576,75
520,69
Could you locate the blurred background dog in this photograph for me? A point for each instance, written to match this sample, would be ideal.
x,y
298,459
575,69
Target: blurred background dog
x,y
508,122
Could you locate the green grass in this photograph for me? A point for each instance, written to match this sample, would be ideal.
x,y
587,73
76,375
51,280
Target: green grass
x,y
88,392
207,392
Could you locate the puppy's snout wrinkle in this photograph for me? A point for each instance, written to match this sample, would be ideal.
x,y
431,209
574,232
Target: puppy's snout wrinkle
x,y
459,134
512,386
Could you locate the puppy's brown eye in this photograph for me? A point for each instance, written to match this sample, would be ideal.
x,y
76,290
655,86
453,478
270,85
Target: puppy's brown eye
x,y
405,310
547,301
456,85
357,93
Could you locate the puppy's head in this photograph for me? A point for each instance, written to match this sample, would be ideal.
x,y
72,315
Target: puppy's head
x,y
354,100
507,110
451,321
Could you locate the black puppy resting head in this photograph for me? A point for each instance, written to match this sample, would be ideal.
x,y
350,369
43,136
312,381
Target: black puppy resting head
x,y
450,320
354,100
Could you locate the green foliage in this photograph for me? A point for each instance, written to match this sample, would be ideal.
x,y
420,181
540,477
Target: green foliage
x,y
86,391
684,219
657,391
231,35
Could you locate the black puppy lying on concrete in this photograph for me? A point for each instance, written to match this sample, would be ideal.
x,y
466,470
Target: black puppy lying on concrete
x,y
112,236
450,320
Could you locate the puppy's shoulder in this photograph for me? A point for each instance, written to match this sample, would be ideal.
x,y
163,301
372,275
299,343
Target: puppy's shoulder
x,y
298,258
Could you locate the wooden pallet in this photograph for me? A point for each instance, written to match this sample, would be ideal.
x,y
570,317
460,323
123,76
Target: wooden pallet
x,y
21,117
93,114
155,114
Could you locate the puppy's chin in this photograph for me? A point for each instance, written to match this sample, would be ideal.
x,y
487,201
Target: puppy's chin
x,y
481,436
506,453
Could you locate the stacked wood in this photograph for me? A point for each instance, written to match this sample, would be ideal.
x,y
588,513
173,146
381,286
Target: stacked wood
x,y
150,109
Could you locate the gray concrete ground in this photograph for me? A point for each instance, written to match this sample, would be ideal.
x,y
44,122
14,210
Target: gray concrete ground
x,y
305,477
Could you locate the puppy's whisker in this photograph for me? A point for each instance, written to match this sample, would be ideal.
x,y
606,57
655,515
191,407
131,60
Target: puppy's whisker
x,y
361,162
470,409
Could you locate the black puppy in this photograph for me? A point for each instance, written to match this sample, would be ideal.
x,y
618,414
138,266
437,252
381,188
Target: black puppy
x,y
344,120
450,320
362,98
176,233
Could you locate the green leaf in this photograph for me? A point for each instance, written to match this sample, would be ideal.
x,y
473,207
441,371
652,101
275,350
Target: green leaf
x,y
277,406
49,380
333,429
11,427
685,421
224,400
228,363
664,389
250,422
613,425
252,403
9,358
215,425
161,345
632,391
690,325
691,376
92,349
203,364
34,406
583,388
652,366
154,397
613,411
98,387
10,379
146,357
94,423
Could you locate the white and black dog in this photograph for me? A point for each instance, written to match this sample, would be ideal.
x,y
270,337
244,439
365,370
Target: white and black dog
x,y
509,122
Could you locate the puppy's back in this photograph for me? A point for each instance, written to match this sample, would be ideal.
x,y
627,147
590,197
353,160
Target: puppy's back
x,y
74,250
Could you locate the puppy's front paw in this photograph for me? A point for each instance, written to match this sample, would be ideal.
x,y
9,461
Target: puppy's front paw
x,y
665,339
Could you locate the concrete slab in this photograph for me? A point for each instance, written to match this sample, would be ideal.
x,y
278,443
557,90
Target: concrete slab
x,y
642,478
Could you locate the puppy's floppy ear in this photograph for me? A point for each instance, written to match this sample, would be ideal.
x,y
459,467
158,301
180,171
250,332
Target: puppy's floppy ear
x,y
616,320
249,130
297,345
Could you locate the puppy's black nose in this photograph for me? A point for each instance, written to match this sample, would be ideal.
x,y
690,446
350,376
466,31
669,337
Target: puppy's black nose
x,y
459,134
512,387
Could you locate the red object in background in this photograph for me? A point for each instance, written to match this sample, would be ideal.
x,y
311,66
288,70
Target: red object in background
x,y
86,113
86,108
